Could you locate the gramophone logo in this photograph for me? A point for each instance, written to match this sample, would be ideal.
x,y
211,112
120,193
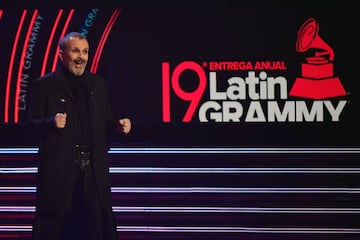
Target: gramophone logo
x,y
317,80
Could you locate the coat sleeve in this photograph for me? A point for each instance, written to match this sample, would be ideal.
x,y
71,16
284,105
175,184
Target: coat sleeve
x,y
38,119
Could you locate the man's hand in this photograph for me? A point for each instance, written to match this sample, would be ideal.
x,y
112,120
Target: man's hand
x,y
60,120
124,125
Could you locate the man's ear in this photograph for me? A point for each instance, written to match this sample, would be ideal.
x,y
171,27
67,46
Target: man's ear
x,y
61,55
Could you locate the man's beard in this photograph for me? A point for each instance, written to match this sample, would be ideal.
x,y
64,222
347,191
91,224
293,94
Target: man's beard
x,y
78,72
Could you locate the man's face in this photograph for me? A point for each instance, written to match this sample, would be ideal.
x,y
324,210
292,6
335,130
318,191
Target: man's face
x,y
75,55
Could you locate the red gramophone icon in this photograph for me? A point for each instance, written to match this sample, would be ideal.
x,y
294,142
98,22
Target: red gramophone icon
x,y
317,80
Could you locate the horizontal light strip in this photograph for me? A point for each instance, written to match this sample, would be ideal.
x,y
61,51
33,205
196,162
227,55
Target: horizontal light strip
x,y
19,150
136,150
206,210
236,209
230,190
236,229
18,170
33,170
17,209
12,228
231,170
281,150
205,229
202,190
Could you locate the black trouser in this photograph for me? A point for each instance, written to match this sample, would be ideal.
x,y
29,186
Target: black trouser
x,y
86,220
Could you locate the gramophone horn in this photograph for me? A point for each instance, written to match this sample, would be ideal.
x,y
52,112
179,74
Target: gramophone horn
x,y
308,38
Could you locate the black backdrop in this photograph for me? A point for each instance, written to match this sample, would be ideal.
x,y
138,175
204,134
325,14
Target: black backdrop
x,y
143,37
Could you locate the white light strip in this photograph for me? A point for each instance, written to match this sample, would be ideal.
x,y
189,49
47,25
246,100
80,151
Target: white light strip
x,y
17,209
202,190
230,170
230,190
136,150
115,170
207,210
13,228
17,170
282,150
236,209
19,150
17,189
206,229
235,229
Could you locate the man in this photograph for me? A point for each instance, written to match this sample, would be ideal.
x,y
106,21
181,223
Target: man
x,y
70,111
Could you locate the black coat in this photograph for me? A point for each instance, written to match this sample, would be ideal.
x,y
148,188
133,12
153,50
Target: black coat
x,y
56,166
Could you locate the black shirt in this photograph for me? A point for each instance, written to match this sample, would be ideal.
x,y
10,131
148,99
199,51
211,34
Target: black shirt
x,y
81,116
